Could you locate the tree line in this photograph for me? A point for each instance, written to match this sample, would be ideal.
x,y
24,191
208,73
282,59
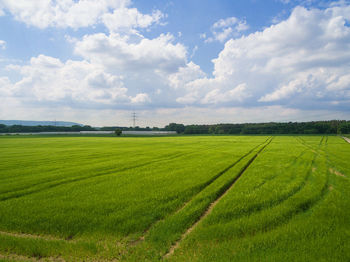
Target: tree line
x,y
74,128
314,127
33,129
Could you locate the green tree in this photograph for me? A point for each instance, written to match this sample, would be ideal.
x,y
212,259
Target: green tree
x,y
179,128
118,132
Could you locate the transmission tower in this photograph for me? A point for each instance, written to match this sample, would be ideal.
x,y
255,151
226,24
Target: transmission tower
x,y
134,116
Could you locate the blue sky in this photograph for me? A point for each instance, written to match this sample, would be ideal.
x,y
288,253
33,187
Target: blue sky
x,y
193,61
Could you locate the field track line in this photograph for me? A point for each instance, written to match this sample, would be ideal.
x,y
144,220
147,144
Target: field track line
x,y
303,207
329,162
58,182
335,172
213,204
316,151
100,174
299,209
204,186
294,191
26,235
77,179
346,139
270,204
15,257
158,159
287,167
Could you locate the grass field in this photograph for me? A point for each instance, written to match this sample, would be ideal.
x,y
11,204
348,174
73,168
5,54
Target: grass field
x,y
191,198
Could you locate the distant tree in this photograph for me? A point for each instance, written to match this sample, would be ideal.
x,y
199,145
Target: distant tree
x,y
212,130
179,128
219,130
345,128
118,132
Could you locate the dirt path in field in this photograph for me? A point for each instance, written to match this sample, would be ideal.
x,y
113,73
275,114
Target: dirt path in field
x,y
24,235
213,204
16,257
142,238
346,139
336,172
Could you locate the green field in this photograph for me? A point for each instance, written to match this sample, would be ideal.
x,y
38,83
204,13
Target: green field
x,y
186,198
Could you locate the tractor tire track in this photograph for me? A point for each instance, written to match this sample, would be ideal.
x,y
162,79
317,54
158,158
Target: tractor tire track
x,y
15,257
32,236
300,208
346,139
202,187
213,204
276,176
78,179
107,172
258,207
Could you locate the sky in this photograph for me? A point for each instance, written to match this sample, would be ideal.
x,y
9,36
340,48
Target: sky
x,y
187,61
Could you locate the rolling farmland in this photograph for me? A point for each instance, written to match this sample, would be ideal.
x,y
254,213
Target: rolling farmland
x,y
190,198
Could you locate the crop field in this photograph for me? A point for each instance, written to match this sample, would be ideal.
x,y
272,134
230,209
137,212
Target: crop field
x,y
186,198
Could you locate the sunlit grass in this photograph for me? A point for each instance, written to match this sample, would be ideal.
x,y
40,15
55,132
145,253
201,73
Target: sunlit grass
x,y
132,199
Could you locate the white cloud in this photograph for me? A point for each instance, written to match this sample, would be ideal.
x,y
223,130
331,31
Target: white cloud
x,y
185,75
116,72
2,44
2,12
194,50
301,2
285,1
141,99
5,86
300,62
67,13
285,91
210,115
222,23
216,96
124,19
226,28
73,83
203,36
115,14
133,55
71,39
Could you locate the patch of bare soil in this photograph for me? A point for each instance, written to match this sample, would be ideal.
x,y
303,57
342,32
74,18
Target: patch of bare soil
x,y
25,235
16,257
335,172
346,139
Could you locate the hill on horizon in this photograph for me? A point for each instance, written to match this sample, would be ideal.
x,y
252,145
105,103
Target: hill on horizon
x,y
38,123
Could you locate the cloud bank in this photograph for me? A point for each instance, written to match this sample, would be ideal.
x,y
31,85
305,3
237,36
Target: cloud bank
x,y
301,63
